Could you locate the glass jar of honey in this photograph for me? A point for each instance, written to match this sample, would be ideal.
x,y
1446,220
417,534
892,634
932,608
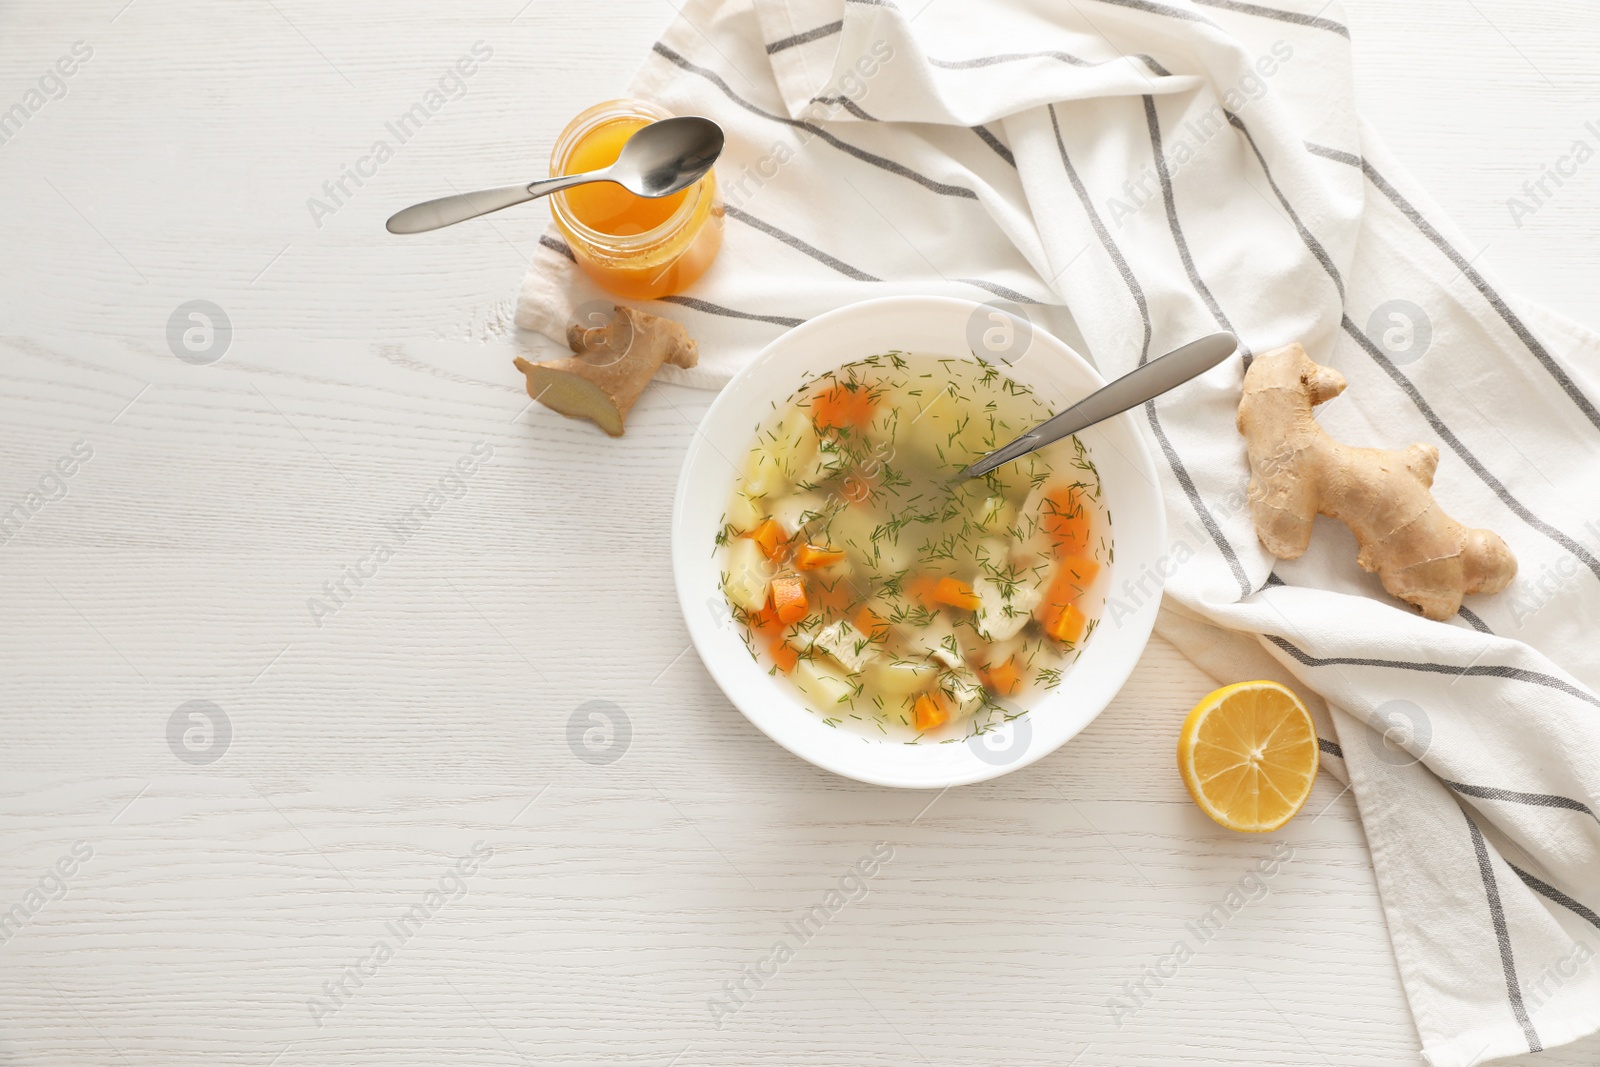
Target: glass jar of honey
x,y
635,246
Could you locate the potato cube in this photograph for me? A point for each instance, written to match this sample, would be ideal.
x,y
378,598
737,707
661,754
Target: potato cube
x,y
748,574
744,513
800,509
823,685
901,677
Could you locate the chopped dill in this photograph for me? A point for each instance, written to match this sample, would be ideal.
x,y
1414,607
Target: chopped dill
x,y
859,463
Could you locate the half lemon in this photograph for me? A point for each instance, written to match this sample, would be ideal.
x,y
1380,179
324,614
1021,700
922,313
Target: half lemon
x,y
1248,755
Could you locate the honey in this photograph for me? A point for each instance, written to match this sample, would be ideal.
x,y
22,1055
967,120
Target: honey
x,y
637,247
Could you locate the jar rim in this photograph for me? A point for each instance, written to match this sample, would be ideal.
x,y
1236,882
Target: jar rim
x,y
583,124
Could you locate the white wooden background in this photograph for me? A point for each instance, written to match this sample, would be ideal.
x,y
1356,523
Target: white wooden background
x,y
429,712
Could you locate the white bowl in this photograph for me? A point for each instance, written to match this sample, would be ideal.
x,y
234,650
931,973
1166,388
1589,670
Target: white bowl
x,y
938,326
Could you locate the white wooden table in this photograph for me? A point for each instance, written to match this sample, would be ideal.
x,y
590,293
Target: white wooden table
x,y
228,911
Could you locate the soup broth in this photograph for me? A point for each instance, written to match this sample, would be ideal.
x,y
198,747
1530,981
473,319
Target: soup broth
x,y
900,600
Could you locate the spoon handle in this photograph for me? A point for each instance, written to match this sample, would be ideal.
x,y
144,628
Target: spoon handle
x,y
449,210
1130,390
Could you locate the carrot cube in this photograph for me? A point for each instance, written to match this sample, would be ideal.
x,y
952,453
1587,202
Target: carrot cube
x,y
1065,521
770,536
839,406
869,622
834,596
1066,624
811,557
1005,679
923,590
789,598
1074,574
957,594
930,711
764,621
1058,613
784,656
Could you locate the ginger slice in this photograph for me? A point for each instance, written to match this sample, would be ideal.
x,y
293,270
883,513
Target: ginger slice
x,y
610,367
1297,471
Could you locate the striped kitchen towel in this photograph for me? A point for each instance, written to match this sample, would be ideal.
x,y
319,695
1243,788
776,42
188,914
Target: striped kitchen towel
x,y
1131,174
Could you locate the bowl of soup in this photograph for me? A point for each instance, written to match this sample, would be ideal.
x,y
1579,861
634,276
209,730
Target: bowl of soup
x,y
876,613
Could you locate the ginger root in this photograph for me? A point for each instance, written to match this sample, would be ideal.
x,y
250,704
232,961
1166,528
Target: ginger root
x,y
610,367
1297,471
